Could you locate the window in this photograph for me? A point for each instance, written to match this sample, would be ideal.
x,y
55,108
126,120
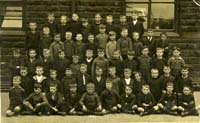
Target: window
x,y
157,14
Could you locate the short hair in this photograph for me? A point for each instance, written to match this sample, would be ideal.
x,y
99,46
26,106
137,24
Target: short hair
x,y
75,56
99,68
37,85
135,33
50,14
83,65
53,71
145,47
68,69
97,14
131,52
102,26
128,86
176,48
72,85
185,67
127,70
124,29
112,67
109,81
16,50
136,72
68,32
112,33
24,68
163,33
31,49
149,29
39,67
155,69
186,86
100,50
161,49
170,84
53,85
90,85
17,77
145,86
109,16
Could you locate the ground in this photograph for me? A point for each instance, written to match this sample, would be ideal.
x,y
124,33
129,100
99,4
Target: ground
x,y
112,118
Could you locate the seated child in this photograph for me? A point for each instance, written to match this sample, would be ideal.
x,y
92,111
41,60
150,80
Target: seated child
x,y
139,82
131,61
168,101
36,102
111,101
128,101
90,101
111,45
68,45
89,60
186,102
16,97
92,45
52,80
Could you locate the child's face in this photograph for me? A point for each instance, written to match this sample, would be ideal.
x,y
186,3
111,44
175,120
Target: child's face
x,y
16,81
159,53
112,71
116,55
37,90
57,38
122,19
63,19
68,72
135,36
145,51
134,16
73,89
91,39
51,17
98,18
39,71
99,72
46,53
89,54
130,57
83,69
90,90
109,86
33,26
102,30
186,91
101,54
23,72
52,89
32,54
128,90
68,36
79,37
184,72
16,54
170,89
145,90
154,74
163,37
61,55
75,60
53,75
75,17
137,77
127,74
176,53
46,31
109,19
150,33
166,70
124,33
85,24
112,37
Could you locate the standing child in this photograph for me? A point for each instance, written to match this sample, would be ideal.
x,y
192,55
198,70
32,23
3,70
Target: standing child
x,y
75,25
102,37
145,101
91,45
89,60
111,101
124,43
68,45
130,62
109,24
96,23
101,62
186,102
16,97
56,46
144,63
51,23
63,26
52,80
90,101
176,62
85,29
139,82
122,23
137,45
75,66
163,43
111,46
129,104
36,102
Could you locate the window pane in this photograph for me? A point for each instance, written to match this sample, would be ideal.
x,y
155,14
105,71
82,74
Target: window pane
x,y
162,0
137,0
162,16
141,8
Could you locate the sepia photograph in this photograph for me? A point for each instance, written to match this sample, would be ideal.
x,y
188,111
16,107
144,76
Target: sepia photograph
x,y
100,61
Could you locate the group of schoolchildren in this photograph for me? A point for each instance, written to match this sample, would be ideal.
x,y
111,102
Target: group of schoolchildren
x,y
75,67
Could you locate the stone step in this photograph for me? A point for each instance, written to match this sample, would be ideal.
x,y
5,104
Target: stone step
x,y
11,33
13,14
13,8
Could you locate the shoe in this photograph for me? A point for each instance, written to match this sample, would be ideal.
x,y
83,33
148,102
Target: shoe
x,y
39,114
62,113
27,113
174,113
133,112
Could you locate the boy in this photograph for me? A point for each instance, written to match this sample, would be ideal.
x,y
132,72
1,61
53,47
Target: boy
x,y
68,45
183,80
130,62
96,23
31,62
176,62
129,104
75,25
163,43
60,64
168,101
99,80
155,84
111,46
66,81
40,78
144,63
135,25
102,37
52,80
166,77
159,62
16,97
51,24
117,62
72,100
116,81
56,46
36,102
139,82
55,100
26,81
90,101
32,37
101,62
150,42
186,102
85,29
45,39
82,79
145,101
137,45
63,26
75,66
124,43
109,24
88,60
79,47
110,99
91,45
123,23
15,63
